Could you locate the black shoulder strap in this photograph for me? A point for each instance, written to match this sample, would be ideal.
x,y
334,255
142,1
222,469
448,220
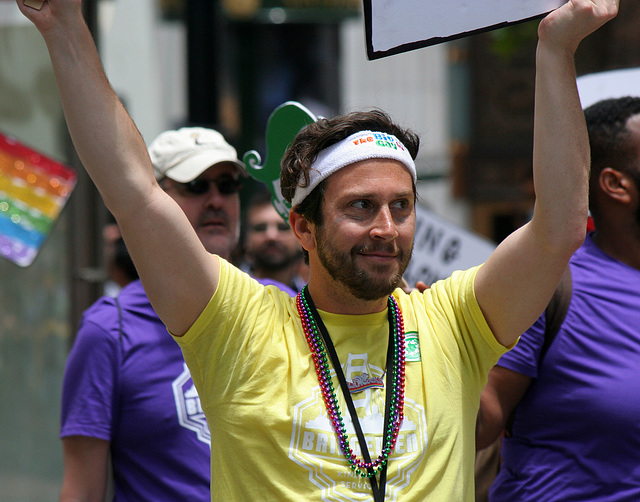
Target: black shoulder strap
x,y
556,311
119,320
116,390
110,490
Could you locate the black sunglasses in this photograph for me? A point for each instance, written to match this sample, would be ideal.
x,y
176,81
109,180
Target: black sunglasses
x,y
200,186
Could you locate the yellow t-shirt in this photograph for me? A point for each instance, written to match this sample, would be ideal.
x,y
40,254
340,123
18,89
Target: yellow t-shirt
x,y
270,435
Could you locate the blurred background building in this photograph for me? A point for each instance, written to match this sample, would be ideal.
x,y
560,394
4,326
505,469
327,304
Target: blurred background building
x,y
227,64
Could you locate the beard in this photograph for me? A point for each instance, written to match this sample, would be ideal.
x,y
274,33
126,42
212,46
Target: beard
x,y
363,284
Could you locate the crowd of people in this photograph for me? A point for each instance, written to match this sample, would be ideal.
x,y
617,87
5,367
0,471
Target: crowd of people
x,y
305,372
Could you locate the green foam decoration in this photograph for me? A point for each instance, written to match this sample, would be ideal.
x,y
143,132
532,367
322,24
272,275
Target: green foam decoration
x,y
283,125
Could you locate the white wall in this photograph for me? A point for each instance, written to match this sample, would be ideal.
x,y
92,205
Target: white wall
x,y
145,61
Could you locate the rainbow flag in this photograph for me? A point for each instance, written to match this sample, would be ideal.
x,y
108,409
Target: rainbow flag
x,y
33,190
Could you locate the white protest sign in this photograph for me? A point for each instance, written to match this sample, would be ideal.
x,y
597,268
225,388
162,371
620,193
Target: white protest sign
x,y
608,84
394,26
440,248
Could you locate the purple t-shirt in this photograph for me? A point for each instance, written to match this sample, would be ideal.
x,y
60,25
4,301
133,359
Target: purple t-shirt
x,y
134,390
576,433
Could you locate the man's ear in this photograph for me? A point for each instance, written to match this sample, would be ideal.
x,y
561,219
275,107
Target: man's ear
x,y
615,184
303,230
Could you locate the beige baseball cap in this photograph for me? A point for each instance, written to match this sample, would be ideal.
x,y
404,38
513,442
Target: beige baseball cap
x,y
185,153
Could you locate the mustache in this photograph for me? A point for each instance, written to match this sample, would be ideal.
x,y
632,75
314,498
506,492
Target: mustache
x,y
218,215
383,247
273,245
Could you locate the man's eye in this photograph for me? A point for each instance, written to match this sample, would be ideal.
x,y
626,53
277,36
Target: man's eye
x,y
361,204
401,204
259,227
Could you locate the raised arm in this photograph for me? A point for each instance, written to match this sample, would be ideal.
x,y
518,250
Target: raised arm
x,y
519,278
178,274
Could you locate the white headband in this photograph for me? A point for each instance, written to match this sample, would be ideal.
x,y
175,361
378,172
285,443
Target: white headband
x,y
362,145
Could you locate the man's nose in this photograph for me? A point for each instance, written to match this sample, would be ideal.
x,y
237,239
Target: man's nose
x,y
272,231
384,226
213,197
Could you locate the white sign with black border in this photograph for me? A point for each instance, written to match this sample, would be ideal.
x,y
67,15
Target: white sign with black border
x,y
395,26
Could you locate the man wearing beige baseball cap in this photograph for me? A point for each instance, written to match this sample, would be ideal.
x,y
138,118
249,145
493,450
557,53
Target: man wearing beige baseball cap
x,y
201,172
127,391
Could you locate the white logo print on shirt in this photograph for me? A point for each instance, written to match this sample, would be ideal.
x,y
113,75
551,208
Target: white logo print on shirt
x,y
314,441
190,414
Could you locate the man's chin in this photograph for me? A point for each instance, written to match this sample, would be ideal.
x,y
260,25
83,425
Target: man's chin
x,y
384,279
375,286
218,245
380,271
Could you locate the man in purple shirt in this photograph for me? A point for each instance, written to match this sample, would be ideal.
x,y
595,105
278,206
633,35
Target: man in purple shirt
x,y
127,391
575,433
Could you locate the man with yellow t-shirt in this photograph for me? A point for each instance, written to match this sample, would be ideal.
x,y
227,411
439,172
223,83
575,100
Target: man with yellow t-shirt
x,y
353,389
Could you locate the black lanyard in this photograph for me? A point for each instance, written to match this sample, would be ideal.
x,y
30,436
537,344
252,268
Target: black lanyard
x,y
377,489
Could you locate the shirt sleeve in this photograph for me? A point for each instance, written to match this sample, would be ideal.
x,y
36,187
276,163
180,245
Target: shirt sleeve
x,y
238,324
89,390
524,357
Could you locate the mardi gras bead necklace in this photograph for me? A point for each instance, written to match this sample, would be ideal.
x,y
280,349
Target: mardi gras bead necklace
x,y
322,350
